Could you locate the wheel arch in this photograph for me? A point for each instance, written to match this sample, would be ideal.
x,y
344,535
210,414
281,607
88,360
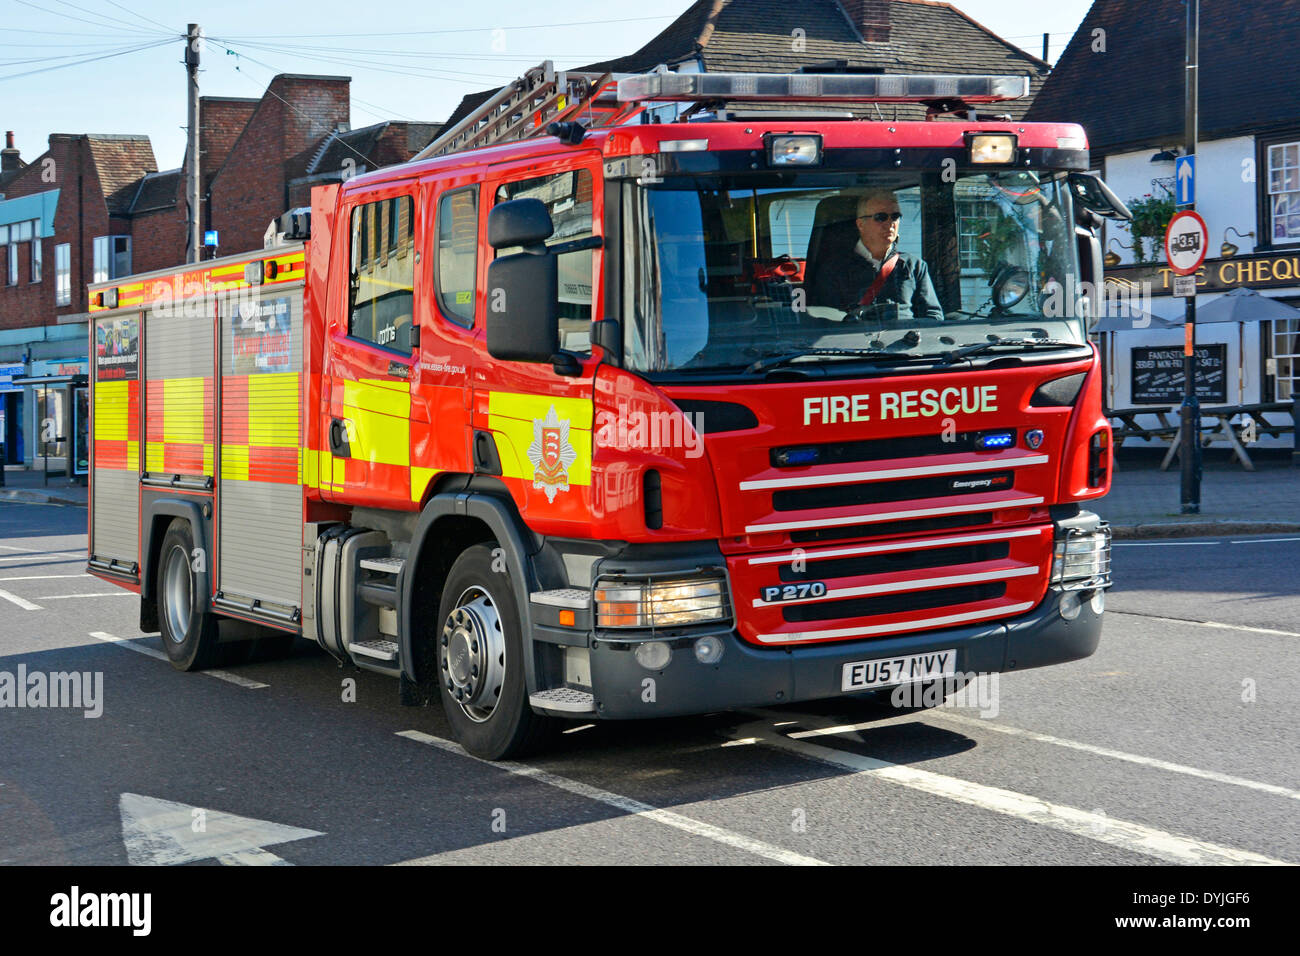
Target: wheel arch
x,y
449,524
158,517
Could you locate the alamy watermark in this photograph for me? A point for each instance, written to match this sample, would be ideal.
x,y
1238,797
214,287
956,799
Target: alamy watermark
x,y
972,691
75,690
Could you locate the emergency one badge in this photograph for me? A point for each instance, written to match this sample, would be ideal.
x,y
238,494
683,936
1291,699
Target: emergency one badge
x,y
551,454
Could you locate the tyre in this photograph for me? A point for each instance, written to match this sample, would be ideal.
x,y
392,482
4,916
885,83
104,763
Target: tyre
x,y
189,631
480,661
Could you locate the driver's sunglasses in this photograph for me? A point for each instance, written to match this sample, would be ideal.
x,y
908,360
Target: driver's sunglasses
x,y
884,216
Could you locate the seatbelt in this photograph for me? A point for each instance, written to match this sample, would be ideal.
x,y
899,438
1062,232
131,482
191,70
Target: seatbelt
x,y
885,270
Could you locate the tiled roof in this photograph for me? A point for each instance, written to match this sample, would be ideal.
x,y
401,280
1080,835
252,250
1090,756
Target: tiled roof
x,y
758,36
1132,95
156,191
120,160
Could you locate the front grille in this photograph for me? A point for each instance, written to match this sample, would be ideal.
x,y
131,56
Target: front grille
x,y
895,561
943,523
894,603
939,486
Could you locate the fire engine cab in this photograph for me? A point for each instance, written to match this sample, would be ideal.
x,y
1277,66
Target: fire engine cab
x,y
595,409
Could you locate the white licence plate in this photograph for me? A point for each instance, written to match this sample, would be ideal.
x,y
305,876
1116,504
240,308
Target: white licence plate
x,y
863,675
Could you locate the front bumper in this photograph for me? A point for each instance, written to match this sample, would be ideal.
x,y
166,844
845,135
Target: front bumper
x,y
749,676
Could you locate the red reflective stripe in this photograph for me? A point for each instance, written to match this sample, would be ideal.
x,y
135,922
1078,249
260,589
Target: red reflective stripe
x,y
110,454
279,465
182,458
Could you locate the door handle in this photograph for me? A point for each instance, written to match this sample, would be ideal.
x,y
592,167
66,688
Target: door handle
x,y
338,439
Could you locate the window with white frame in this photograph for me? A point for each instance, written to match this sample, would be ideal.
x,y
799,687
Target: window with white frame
x,y
11,272
1284,191
63,274
36,259
112,258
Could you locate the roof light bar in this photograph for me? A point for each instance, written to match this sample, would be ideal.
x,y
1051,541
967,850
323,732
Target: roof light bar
x,y
799,87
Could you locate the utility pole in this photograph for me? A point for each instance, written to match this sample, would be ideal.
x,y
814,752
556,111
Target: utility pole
x,y
193,40
1190,453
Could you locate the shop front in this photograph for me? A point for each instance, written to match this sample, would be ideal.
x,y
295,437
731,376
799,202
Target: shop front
x,y
57,430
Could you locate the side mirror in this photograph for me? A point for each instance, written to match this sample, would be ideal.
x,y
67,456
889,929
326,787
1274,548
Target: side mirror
x,y
523,291
1096,197
519,222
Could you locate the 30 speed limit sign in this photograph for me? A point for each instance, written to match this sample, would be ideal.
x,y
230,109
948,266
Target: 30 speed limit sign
x,y
1186,242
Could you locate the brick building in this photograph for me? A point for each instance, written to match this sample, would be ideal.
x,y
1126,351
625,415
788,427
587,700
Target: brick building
x,y
96,206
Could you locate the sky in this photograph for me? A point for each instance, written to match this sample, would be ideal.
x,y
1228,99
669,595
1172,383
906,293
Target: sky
x,y
115,66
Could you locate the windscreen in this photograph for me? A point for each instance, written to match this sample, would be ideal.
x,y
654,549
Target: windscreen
x,y
725,271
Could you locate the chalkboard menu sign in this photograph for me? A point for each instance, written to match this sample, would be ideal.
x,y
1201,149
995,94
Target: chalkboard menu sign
x,y
1158,375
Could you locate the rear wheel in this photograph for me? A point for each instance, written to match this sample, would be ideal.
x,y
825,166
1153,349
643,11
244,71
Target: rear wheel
x,y
189,631
480,661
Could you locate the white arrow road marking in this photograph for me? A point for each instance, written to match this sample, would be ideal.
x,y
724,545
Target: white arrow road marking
x,y
159,655
626,804
161,832
15,599
1133,837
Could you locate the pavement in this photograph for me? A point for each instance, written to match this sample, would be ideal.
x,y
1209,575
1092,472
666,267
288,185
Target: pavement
x,y
1144,502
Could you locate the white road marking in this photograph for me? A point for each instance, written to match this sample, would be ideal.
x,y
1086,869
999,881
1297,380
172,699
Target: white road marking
x,y
96,594
163,832
1214,775
1164,544
1215,624
1264,540
45,577
15,599
159,655
626,804
1133,837
55,557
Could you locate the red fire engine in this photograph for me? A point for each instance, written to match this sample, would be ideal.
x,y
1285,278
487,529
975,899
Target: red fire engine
x,y
588,411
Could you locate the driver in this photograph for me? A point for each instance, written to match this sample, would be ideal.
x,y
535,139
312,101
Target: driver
x,y
873,271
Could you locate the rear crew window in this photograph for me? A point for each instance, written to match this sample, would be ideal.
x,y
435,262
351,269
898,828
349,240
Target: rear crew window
x,y
458,254
382,288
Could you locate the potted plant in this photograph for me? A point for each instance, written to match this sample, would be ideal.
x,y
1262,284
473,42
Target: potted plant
x,y
1151,215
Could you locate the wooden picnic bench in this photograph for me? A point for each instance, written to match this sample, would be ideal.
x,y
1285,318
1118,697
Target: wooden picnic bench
x,y
1216,425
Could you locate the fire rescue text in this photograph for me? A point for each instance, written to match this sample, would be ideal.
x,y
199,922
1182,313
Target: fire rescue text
x,y
917,403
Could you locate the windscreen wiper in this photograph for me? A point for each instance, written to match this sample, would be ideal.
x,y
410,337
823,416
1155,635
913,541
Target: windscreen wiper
x,y
774,361
975,347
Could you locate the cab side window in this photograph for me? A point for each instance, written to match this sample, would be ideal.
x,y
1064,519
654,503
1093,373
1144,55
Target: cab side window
x,y
568,198
382,288
457,254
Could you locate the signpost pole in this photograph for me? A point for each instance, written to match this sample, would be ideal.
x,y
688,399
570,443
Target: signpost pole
x,y
1190,454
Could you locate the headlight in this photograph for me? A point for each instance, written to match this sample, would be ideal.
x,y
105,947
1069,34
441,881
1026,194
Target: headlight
x,y
1081,560
661,603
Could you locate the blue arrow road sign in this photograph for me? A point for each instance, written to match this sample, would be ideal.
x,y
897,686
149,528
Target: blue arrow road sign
x,y
1185,179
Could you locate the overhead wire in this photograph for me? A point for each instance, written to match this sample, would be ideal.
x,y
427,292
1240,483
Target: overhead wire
x,y
88,59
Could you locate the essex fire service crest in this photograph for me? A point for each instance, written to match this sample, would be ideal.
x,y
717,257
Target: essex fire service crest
x,y
551,454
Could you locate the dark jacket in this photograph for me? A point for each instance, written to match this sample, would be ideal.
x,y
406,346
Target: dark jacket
x,y
845,277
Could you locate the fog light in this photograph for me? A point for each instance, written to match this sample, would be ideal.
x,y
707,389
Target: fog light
x,y
654,655
1098,601
708,650
1070,605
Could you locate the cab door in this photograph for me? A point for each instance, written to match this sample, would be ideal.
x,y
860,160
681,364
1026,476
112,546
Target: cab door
x,y
540,421
369,354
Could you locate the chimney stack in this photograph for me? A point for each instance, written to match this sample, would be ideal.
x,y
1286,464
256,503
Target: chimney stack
x,y
871,17
9,160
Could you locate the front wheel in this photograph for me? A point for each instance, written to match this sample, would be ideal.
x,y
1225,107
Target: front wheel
x,y
189,631
481,660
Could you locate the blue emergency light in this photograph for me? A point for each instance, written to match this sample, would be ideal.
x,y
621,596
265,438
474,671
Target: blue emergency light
x,y
210,237
993,440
